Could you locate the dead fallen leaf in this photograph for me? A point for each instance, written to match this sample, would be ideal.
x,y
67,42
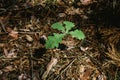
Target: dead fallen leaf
x,y
62,15
1,72
9,54
8,68
52,63
5,51
44,36
60,2
102,77
29,38
22,77
85,2
12,33
86,75
73,11
81,68
84,49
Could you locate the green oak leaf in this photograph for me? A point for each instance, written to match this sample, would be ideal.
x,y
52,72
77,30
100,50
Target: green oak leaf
x,y
68,25
53,41
65,27
77,34
58,26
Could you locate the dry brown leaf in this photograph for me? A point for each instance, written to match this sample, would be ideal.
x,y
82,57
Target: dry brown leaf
x,y
62,15
44,36
85,2
86,75
5,51
14,34
52,63
60,2
81,68
83,49
102,77
9,54
73,11
22,77
29,38
8,68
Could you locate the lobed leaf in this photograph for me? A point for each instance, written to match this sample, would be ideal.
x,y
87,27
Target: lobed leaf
x,y
77,34
53,41
65,27
68,25
58,26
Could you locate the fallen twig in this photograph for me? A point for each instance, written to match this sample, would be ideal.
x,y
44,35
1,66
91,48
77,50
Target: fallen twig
x,y
66,68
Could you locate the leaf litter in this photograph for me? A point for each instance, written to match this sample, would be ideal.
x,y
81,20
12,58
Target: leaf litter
x,y
98,58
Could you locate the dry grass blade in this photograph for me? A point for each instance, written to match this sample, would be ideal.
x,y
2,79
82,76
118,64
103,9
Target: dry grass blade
x,y
112,53
65,68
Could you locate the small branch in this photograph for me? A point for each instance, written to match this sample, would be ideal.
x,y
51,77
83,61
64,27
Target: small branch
x,y
31,65
20,33
66,68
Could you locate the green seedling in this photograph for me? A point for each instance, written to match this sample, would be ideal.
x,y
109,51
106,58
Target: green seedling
x,y
65,28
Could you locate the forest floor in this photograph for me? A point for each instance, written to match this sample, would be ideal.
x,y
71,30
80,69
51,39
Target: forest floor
x,y
23,55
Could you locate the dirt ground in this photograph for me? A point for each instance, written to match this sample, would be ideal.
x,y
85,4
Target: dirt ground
x,y
24,30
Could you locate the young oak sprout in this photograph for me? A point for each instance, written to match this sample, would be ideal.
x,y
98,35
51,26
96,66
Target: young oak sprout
x,y
65,28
